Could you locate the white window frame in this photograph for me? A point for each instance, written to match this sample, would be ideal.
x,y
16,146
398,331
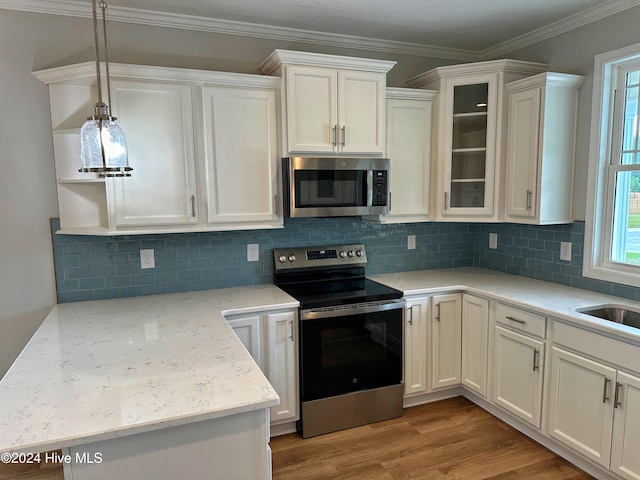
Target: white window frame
x,y
596,263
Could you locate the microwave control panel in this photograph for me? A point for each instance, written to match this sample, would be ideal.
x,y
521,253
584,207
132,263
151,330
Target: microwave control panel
x,y
379,188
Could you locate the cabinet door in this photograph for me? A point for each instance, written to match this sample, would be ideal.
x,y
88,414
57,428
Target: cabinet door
x,y
469,156
281,364
240,147
625,460
519,363
445,340
248,331
522,152
158,122
415,345
409,148
581,405
475,341
361,107
311,104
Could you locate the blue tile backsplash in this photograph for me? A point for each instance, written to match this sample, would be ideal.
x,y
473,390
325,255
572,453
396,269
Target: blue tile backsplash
x,y
96,267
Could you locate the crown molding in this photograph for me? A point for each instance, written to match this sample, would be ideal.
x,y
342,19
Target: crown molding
x,y
77,8
572,22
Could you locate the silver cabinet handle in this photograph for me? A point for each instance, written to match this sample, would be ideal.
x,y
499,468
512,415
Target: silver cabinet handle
x,y
389,201
517,320
616,399
275,205
410,315
446,200
529,193
333,135
536,353
291,330
605,397
193,206
437,312
343,132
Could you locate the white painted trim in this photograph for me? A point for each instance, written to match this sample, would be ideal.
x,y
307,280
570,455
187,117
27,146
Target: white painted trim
x,y
603,10
595,265
394,93
87,70
291,57
77,8
547,79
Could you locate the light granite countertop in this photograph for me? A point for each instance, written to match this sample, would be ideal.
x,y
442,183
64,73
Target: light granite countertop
x,y
109,368
552,299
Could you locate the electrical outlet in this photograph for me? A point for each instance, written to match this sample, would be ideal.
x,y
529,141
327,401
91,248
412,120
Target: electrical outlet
x,y
411,242
147,258
253,252
565,251
493,241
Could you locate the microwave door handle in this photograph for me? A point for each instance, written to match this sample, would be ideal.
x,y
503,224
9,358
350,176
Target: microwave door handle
x,y
369,188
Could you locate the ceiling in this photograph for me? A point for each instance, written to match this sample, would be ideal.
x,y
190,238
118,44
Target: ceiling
x,y
446,28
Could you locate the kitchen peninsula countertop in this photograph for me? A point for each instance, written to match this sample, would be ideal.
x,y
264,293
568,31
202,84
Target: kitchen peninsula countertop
x,y
108,368
555,300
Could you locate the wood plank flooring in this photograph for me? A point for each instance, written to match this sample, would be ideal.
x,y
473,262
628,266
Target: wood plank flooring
x,y
452,439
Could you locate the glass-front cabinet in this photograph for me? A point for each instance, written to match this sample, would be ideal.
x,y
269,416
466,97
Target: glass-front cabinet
x,y
471,153
468,145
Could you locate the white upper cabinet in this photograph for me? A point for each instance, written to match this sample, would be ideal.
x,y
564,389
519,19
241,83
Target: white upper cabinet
x,y
158,121
470,135
542,114
203,146
332,104
408,143
241,156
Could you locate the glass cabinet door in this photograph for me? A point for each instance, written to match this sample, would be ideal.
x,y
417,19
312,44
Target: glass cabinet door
x,y
469,178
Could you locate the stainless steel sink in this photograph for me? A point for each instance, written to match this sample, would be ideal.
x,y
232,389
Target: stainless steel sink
x,y
614,313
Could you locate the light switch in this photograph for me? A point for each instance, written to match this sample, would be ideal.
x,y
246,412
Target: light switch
x,y
253,252
565,251
411,242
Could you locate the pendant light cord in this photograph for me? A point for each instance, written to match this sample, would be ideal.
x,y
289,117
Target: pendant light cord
x,y
95,34
103,6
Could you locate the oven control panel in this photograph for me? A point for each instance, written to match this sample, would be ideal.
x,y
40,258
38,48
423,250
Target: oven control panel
x,y
305,257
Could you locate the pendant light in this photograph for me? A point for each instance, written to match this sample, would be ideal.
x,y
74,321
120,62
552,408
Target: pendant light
x,y
103,146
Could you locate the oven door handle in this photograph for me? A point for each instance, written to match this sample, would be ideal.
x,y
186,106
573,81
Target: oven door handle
x,y
351,309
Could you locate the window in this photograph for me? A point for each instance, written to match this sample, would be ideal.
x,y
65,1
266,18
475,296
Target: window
x,y
612,237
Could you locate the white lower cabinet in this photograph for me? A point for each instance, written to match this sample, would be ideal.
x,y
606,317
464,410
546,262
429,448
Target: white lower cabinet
x,y
595,410
446,331
281,364
475,341
271,339
416,340
518,367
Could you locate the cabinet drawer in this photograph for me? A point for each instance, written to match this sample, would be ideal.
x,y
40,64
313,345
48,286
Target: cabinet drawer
x,y
521,320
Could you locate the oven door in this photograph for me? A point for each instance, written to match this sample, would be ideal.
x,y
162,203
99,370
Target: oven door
x,y
349,348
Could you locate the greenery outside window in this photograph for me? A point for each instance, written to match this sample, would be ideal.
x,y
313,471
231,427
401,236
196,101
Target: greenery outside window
x,y
612,237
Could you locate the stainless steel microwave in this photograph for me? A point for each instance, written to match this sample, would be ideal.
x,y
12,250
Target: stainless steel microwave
x,y
335,186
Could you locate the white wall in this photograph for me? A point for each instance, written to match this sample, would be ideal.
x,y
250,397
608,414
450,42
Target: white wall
x,y
574,52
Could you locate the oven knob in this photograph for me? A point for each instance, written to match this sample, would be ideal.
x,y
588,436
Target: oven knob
x,y
292,258
282,259
351,254
343,254
359,253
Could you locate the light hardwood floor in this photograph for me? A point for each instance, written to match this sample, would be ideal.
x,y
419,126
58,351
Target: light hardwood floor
x,y
451,439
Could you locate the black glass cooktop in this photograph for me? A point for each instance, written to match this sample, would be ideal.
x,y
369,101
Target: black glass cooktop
x,y
338,291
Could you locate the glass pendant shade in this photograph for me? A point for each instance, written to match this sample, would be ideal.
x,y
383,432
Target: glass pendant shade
x,y
103,146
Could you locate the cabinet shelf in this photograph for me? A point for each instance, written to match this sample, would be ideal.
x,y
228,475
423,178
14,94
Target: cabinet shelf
x,y
68,181
469,150
470,115
468,180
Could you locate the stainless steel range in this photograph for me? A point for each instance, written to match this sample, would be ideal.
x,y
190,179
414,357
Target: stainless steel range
x,y
350,338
